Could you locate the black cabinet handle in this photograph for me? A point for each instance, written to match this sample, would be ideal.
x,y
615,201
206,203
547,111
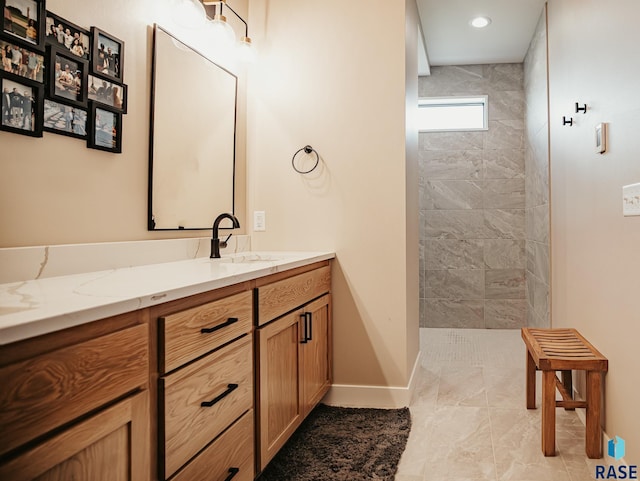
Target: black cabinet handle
x,y
231,320
232,473
309,316
304,335
230,389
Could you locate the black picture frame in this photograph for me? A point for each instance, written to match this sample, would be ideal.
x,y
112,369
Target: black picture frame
x,y
24,67
62,64
13,117
19,25
105,60
105,92
103,121
61,40
65,119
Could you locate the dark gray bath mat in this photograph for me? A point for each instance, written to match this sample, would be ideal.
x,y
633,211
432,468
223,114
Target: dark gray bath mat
x,y
343,444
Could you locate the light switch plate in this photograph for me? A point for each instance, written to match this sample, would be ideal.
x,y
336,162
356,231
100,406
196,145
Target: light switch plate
x,y
259,221
631,199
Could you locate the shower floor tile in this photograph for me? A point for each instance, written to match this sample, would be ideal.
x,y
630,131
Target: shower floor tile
x,y
469,420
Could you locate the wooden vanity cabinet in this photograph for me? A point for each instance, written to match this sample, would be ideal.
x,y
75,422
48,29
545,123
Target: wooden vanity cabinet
x,y
293,356
74,404
205,387
167,392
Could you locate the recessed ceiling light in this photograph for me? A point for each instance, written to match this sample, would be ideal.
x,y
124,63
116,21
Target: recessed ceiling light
x,y
480,22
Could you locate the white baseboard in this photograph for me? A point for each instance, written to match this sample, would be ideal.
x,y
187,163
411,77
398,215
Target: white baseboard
x,y
383,397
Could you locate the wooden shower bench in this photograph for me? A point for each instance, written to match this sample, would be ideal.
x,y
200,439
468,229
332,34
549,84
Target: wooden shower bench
x,y
551,350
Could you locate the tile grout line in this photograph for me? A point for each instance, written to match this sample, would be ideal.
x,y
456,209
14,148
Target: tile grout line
x,y
435,407
493,444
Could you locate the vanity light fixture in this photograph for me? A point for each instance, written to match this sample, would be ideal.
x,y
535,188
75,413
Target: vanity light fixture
x,y
190,13
480,22
224,31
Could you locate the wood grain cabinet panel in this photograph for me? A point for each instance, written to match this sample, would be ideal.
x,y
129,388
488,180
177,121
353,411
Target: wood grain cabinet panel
x,y
294,373
191,333
49,390
230,454
279,393
109,446
223,379
283,296
316,355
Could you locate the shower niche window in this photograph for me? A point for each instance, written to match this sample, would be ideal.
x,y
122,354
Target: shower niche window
x,y
437,114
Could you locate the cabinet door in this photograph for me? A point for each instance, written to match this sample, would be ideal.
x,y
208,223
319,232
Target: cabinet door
x,y
52,389
279,403
316,353
112,445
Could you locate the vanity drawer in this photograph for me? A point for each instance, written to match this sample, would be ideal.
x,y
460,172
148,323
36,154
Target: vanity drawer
x,y
231,453
280,297
51,389
199,401
188,334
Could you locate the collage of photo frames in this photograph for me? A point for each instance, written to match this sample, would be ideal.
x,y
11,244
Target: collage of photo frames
x,y
59,77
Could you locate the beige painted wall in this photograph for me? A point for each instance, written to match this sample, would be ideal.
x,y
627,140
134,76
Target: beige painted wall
x,y
593,59
53,190
332,74
412,207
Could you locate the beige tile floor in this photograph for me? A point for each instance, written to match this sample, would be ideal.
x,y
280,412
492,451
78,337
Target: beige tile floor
x,y
469,421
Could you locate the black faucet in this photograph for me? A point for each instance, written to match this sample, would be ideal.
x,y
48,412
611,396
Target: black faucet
x,y
215,241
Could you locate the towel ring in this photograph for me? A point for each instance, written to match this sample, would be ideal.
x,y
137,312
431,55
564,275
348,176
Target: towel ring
x,y
307,150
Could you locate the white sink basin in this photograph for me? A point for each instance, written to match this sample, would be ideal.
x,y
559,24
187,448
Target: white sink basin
x,y
256,258
252,258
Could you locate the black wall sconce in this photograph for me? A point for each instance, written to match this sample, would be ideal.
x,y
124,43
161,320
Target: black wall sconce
x,y
582,109
220,21
567,121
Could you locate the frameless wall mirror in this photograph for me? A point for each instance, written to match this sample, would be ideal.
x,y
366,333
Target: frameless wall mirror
x,y
192,145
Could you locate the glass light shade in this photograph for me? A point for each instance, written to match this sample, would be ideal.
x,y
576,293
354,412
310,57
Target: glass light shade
x,y
221,31
189,13
246,52
480,22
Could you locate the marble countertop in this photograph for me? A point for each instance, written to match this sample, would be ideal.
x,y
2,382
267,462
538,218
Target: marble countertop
x,y
35,307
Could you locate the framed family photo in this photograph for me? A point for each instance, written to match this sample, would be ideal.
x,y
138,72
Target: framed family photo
x,y
67,36
105,129
108,93
67,77
22,61
21,105
23,21
64,119
107,55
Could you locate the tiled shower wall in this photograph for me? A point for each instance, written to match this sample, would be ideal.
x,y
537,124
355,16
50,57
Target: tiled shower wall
x,y
537,178
472,205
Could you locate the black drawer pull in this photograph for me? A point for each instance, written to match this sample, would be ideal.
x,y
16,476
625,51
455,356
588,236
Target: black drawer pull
x,y
310,317
230,389
207,330
232,473
304,335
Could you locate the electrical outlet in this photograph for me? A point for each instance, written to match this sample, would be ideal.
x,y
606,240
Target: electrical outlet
x,y
631,199
259,221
